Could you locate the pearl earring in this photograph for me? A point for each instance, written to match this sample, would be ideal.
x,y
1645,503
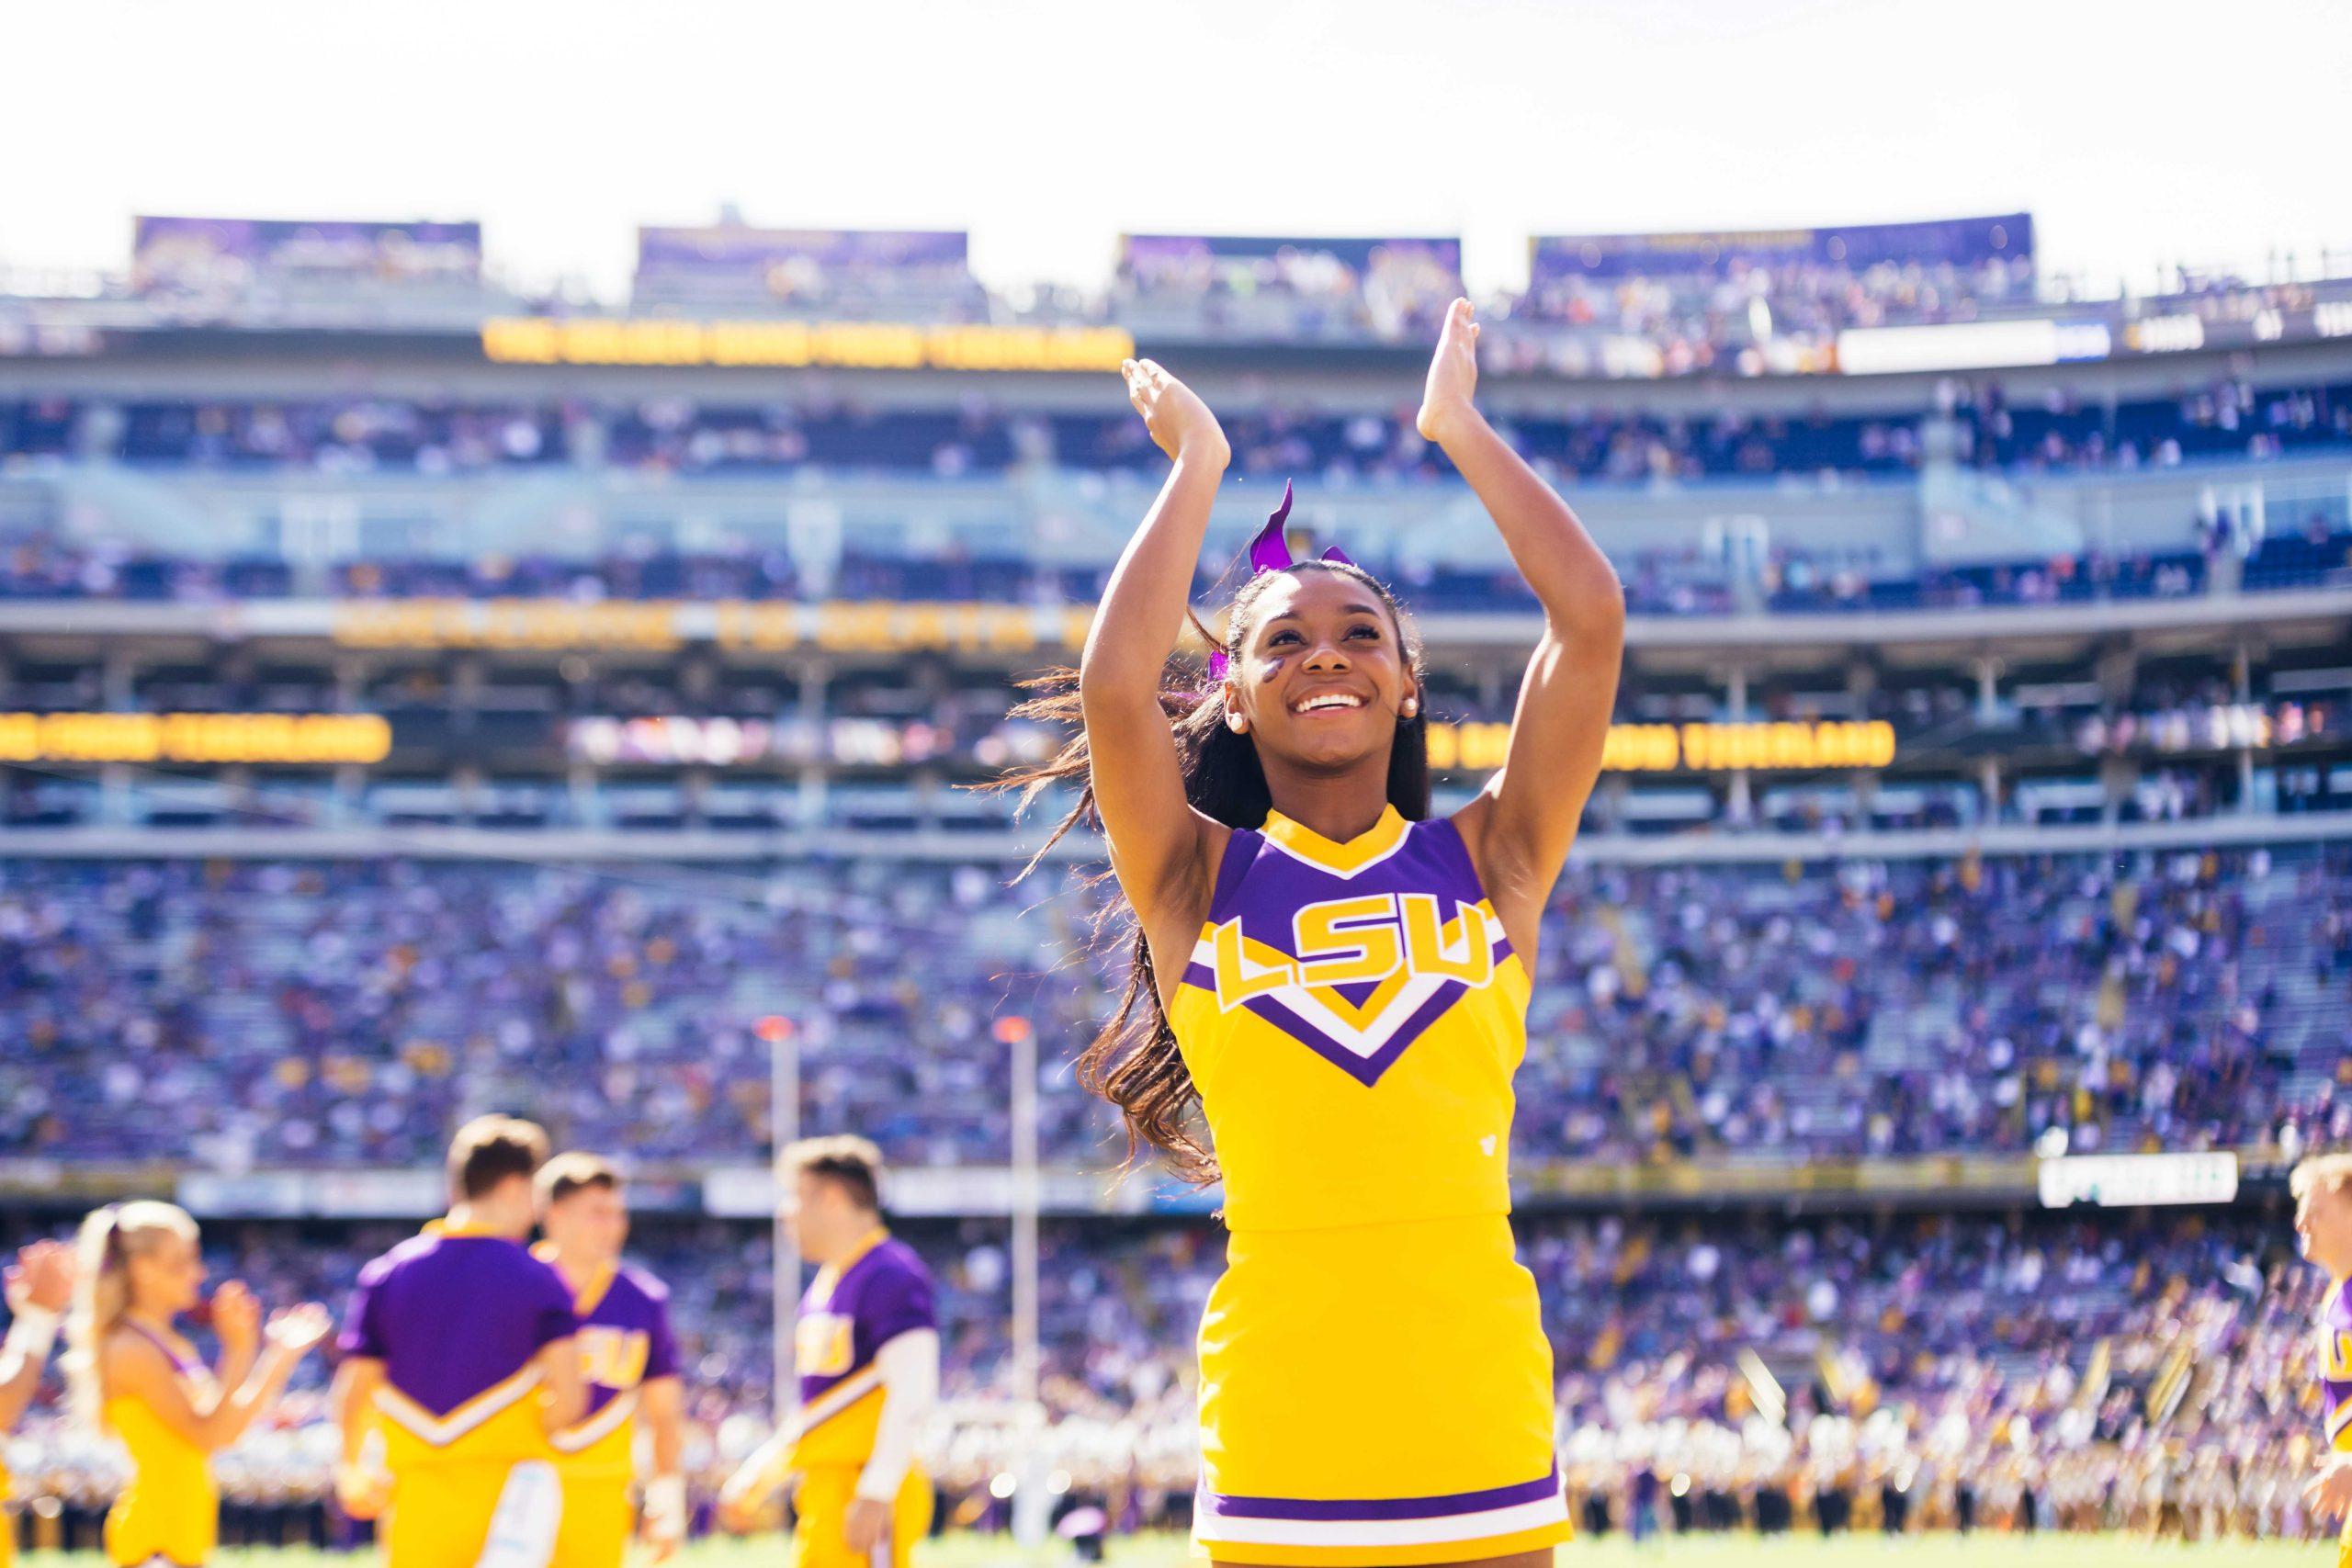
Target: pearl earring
x,y
1235,723
1411,706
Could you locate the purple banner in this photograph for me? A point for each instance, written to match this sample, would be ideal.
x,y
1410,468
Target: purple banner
x,y
721,251
216,254
1956,241
1194,262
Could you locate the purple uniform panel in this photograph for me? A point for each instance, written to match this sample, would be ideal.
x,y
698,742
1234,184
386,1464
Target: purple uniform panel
x,y
2335,1367
1264,886
453,1316
633,1317
885,1294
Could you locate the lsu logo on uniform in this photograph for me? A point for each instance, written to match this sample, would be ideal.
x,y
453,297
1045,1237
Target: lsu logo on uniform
x,y
613,1358
822,1344
1358,940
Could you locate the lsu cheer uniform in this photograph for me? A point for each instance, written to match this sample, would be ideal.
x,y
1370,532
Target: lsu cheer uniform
x,y
457,1319
625,1343
1375,1384
171,1509
852,1309
2336,1386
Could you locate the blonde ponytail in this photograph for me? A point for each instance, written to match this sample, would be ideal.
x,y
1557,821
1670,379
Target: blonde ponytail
x,y
109,1239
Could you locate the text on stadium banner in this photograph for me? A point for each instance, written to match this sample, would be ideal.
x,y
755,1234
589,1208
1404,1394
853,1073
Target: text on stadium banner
x,y
837,625
1664,748
317,738
849,346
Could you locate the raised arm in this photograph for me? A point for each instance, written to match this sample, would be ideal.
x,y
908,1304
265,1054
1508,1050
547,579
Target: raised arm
x,y
39,1287
1159,846
134,1366
1519,827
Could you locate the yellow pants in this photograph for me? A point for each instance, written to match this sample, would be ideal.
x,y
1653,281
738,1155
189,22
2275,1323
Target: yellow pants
x,y
440,1515
598,1519
821,1503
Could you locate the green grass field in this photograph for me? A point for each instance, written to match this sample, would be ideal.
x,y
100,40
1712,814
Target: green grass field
x,y
966,1550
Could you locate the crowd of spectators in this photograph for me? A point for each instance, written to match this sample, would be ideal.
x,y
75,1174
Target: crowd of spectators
x,y
1573,444
315,1013
2148,1372
1667,580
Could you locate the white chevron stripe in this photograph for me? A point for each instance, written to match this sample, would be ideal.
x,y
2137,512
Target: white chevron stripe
x,y
602,1425
1367,1041
442,1430
835,1399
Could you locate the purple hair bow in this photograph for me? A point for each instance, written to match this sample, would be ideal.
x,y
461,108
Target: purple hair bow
x,y
1269,551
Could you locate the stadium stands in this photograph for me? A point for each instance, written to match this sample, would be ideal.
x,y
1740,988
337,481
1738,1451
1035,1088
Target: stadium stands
x,y
2096,898
1938,1370
344,1014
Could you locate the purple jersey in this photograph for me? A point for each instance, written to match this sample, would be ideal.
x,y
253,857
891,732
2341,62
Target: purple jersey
x,y
849,1312
453,1315
2335,1370
625,1339
885,1292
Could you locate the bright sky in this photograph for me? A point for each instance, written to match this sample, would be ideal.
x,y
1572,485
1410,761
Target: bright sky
x,y
2136,133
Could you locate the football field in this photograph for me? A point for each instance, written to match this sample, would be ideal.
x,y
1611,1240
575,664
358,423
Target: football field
x,y
968,1551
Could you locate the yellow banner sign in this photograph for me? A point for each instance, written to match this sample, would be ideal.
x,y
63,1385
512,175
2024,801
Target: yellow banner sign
x,y
850,626
1702,747
505,623
853,346
834,625
315,737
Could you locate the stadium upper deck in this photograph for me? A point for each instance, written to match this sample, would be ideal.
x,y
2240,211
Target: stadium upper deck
x,y
521,586
1752,303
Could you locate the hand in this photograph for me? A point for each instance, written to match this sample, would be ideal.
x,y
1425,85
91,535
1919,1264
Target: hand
x,y
1180,424
1453,377
664,1516
362,1491
2329,1494
236,1318
739,1512
868,1517
294,1331
43,1277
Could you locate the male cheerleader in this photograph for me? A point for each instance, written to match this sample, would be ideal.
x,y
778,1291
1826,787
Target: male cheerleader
x,y
39,1287
461,1352
628,1360
868,1348
2322,1189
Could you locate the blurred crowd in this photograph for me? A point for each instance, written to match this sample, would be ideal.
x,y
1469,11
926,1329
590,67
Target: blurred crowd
x,y
1575,443
2149,1372
1681,581
320,1013
1803,295
1693,580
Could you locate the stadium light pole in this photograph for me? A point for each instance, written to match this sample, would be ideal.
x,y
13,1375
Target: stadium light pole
x,y
783,1119
1024,1211
1031,1508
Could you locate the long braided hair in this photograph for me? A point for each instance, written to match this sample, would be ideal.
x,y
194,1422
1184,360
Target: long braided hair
x,y
1133,1060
